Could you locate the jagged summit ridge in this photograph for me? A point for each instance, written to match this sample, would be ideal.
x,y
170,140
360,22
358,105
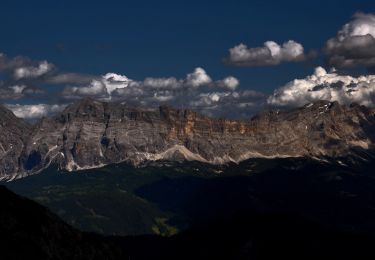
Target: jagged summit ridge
x,y
90,134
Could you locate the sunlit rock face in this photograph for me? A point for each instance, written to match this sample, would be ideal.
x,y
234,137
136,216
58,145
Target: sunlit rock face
x,y
90,134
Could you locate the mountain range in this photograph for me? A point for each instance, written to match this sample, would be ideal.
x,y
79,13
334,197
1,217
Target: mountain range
x,y
91,134
169,183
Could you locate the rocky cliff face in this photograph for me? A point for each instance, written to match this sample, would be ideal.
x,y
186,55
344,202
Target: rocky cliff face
x,y
89,134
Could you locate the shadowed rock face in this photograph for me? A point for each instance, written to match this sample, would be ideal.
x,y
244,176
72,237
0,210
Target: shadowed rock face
x,y
13,134
90,134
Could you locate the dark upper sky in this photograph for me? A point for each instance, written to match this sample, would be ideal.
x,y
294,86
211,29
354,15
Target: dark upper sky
x,y
141,38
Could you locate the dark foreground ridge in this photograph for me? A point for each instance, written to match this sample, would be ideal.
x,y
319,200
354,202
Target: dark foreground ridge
x,y
30,231
90,134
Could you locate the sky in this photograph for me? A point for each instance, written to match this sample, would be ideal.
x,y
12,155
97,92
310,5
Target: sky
x,y
222,58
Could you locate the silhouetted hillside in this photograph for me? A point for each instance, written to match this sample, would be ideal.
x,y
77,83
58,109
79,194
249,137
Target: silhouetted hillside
x,y
30,231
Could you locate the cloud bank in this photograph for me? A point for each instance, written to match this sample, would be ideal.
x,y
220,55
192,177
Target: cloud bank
x,y
326,86
25,80
270,54
197,90
110,85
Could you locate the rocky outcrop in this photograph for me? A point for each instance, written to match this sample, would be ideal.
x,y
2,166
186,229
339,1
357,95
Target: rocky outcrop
x,y
90,134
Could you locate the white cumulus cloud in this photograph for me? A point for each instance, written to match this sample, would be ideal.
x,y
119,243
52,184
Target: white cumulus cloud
x,y
113,81
323,85
95,89
354,44
270,54
198,78
229,83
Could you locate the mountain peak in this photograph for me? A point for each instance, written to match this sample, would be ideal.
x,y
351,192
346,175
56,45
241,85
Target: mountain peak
x,y
85,102
5,113
86,107
10,120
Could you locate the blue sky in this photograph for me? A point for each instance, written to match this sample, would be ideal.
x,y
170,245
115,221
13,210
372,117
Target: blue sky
x,y
141,38
168,38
